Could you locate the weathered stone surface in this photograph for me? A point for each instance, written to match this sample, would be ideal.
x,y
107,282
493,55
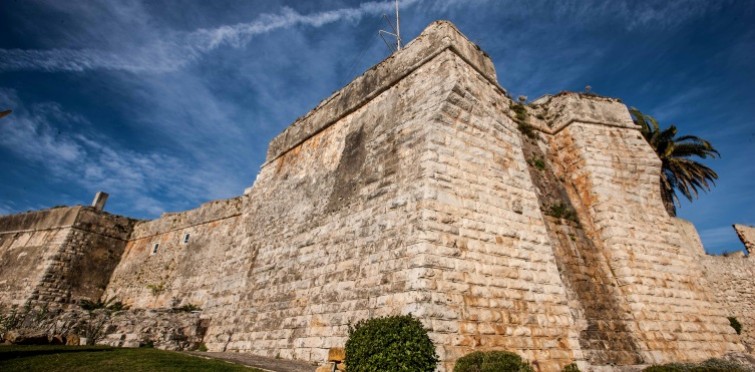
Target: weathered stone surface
x,y
163,329
26,337
691,239
59,255
612,179
418,188
336,354
732,280
197,252
747,236
437,38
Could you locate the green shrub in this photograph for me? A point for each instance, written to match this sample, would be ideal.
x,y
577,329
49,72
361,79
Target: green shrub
x,y
394,343
492,361
735,324
720,365
571,368
710,365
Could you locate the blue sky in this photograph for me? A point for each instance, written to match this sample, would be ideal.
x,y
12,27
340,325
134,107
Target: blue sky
x,y
168,104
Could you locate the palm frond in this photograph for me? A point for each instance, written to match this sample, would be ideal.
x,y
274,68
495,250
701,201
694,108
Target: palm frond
x,y
679,172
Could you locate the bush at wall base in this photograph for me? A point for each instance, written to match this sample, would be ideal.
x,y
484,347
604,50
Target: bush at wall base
x,y
394,343
492,361
710,365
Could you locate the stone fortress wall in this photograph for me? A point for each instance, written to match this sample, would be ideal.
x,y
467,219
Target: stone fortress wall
x,y
179,259
59,255
421,188
732,279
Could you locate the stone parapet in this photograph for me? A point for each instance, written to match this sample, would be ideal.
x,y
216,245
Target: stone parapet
x,y
47,219
208,212
747,236
439,36
569,107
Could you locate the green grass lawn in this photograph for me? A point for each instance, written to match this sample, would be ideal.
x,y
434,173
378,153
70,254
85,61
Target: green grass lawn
x,y
101,358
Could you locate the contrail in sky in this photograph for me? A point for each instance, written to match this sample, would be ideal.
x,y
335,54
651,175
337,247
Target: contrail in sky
x,y
171,53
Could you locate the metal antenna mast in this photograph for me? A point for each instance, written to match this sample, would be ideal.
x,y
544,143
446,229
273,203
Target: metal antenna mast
x,y
396,31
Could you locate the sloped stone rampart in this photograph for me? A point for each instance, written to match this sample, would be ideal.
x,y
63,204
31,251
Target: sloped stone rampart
x,y
331,227
28,242
490,272
59,255
612,177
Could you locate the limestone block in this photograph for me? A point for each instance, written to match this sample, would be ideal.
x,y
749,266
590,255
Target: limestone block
x,y
747,236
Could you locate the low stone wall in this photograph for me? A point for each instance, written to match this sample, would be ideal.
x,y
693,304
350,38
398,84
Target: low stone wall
x,y
166,329
162,329
732,280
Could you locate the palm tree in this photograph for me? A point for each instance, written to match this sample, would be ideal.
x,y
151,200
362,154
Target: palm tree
x,y
678,171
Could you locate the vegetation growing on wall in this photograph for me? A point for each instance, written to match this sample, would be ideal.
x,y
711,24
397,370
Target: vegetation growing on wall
x,y
735,324
156,289
111,304
561,210
521,116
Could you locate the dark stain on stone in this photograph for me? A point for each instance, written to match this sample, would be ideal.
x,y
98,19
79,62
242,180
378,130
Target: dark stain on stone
x,y
348,173
584,271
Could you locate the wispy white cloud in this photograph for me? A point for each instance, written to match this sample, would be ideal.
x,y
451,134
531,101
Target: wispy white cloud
x,y
631,14
172,50
211,95
175,49
6,208
45,134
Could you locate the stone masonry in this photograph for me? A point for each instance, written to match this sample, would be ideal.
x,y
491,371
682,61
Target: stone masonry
x,y
59,255
747,235
420,188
